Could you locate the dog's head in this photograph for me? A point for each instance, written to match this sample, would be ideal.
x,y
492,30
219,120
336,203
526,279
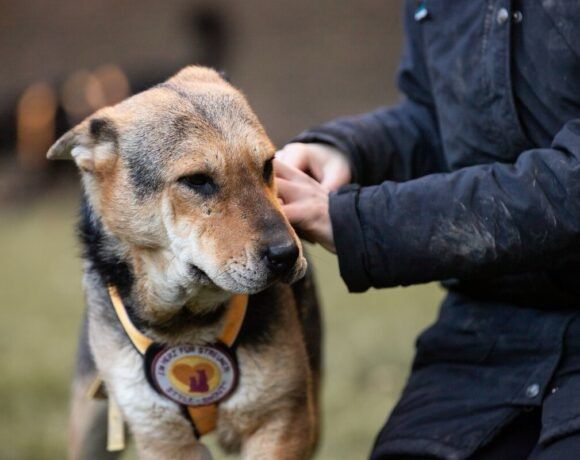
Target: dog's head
x,y
181,175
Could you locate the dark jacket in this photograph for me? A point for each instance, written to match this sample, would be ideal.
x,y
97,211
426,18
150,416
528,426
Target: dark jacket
x,y
473,179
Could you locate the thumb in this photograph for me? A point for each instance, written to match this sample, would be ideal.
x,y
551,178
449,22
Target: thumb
x,y
335,175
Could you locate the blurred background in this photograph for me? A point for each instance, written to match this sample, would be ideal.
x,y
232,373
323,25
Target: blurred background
x,y
299,63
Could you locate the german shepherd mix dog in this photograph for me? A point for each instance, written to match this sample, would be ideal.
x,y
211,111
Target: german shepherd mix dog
x,y
179,215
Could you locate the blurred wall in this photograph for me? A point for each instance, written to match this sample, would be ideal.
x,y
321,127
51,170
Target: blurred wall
x,y
299,62
303,62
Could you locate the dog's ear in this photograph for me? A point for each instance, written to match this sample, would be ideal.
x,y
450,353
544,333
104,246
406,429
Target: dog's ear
x,y
87,144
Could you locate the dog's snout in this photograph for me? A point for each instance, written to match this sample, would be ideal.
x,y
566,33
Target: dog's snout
x,y
281,257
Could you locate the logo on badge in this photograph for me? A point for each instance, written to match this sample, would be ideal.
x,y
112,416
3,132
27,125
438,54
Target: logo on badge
x,y
194,375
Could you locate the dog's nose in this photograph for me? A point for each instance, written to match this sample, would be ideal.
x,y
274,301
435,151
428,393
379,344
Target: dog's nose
x,y
281,257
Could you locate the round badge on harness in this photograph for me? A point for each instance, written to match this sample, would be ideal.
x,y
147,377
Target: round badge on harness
x,y
194,375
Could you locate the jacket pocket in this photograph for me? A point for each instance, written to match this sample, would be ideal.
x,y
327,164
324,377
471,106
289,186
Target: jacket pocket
x,y
443,343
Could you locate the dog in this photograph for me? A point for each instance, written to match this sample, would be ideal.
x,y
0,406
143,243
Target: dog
x,y
179,214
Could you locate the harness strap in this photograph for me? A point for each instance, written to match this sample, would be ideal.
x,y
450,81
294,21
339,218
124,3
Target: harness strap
x,y
140,341
235,314
204,418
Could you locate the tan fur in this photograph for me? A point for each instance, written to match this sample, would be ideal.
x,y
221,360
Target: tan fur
x,y
271,414
273,409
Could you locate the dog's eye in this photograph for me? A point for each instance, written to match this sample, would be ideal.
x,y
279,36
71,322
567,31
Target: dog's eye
x,y
201,183
268,167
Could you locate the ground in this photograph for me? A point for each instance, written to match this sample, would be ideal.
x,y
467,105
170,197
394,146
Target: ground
x,y
368,338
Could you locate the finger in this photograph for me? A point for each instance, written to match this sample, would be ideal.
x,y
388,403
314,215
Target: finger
x,y
283,170
305,164
293,156
291,191
307,224
282,189
315,170
296,216
335,175
288,172
302,158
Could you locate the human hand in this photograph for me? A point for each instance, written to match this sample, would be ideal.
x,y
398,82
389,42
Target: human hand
x,y
305,204
323,162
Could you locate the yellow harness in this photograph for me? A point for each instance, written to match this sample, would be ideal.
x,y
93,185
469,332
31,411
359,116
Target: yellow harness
x,y
169,368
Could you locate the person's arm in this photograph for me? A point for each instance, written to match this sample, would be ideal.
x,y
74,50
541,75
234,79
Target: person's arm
x,y
477,221
395,143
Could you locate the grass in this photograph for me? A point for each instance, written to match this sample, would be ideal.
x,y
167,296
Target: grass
x,y
368,339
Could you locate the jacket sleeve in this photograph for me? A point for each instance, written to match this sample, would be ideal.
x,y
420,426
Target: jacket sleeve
x,y
477,221
396,143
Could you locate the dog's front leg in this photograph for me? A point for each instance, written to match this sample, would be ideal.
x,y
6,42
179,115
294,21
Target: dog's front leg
x,y
273,408
156,449
160,431
286,436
